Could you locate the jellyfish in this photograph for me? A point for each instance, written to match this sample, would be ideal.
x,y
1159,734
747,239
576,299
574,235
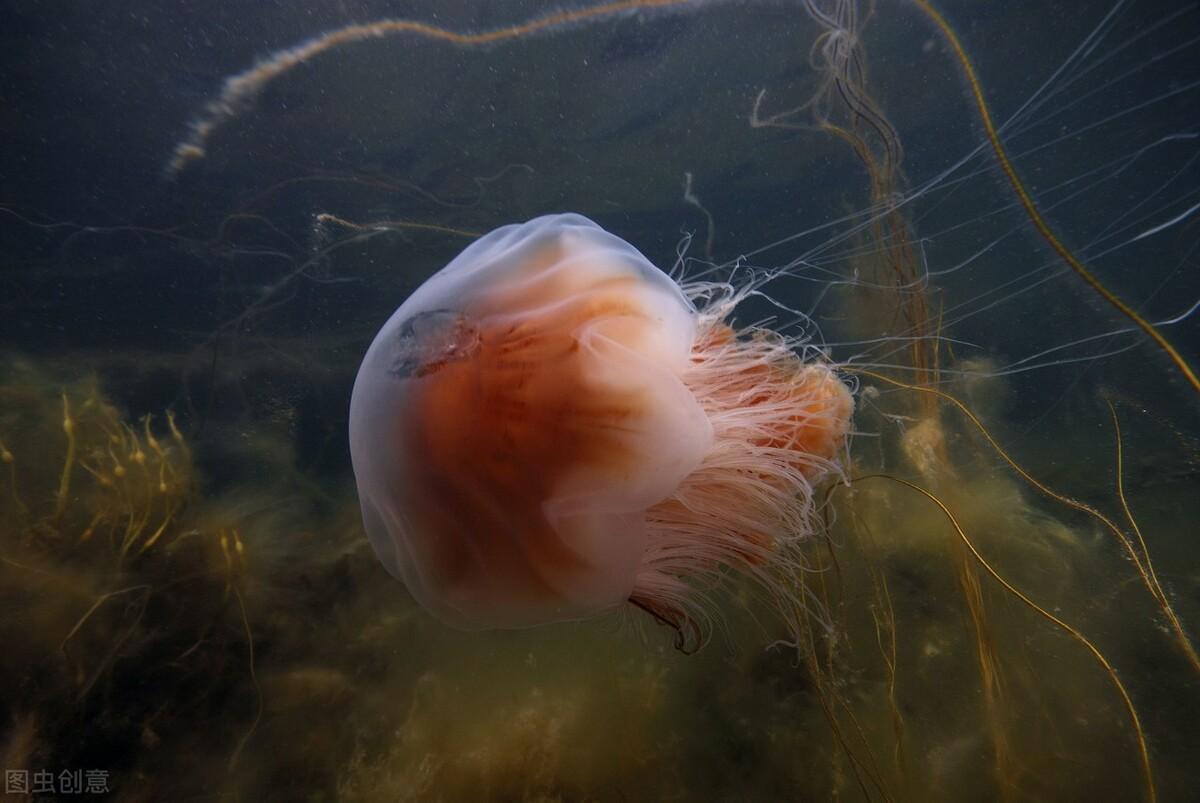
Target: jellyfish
x,y
550,428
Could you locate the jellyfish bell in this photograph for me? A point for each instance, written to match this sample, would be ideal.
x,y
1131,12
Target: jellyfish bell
x,y
550,427
514,417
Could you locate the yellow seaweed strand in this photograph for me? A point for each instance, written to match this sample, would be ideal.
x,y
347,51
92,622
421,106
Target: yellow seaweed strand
x,y
890,652
1143,750
162,528
8,459
64,482
237,752
178,436
990,676
1140,561
163,465
379,225
1031,209
103,598
1121,494
241,89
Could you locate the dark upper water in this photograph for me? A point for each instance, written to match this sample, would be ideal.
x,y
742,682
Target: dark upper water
x,y
208,622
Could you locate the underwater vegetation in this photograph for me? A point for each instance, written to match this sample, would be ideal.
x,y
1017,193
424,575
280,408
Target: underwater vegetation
x,y
125,612
983,221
